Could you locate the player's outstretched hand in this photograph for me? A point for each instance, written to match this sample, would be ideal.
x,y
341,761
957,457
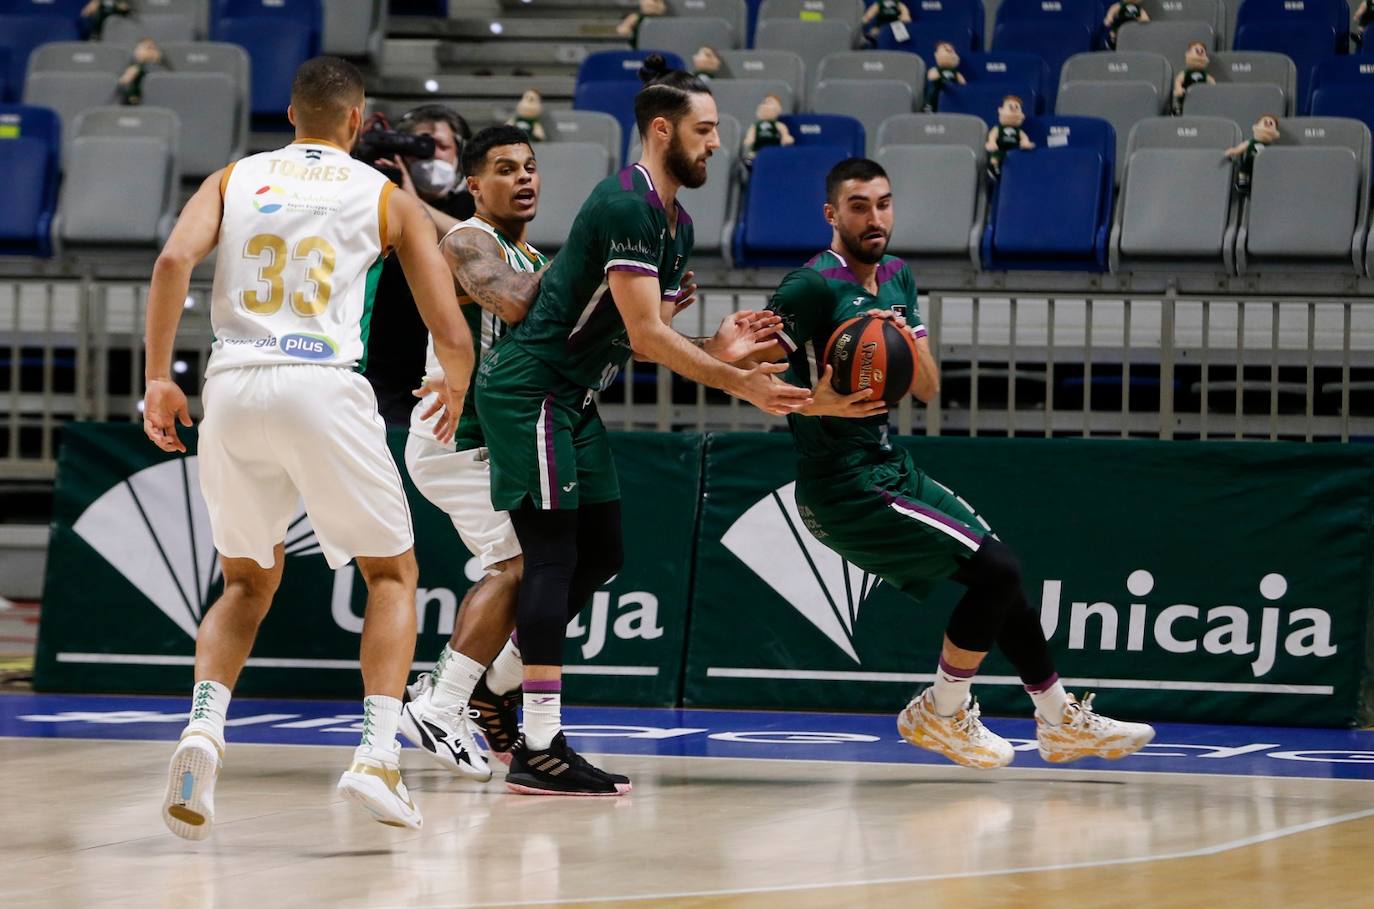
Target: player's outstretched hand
x,y
830,403
164,405
761,387
743,334
443,405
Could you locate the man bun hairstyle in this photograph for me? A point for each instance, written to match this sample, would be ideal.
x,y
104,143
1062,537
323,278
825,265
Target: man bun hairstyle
x,y
666,93
475,150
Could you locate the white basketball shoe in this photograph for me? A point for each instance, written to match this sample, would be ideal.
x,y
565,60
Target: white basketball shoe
x,y
962,737
374,782
188,809
442,733
1082,732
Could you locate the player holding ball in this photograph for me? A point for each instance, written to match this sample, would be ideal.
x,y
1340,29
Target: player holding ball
x,y
866,500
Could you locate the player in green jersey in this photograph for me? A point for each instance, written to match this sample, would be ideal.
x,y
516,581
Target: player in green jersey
x,y
871,504
606,296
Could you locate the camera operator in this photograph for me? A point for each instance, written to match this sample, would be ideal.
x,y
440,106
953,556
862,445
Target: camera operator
x,y
396,349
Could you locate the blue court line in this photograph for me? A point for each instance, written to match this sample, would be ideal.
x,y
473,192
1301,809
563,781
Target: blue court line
x,y
866,738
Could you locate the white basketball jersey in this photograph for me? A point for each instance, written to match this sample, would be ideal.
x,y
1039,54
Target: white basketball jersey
x,y
300,253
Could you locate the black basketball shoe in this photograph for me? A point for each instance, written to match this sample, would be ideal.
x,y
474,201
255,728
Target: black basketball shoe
x,y
558,770
495,715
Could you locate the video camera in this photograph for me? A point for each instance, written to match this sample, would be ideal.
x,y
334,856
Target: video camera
x,y
379,140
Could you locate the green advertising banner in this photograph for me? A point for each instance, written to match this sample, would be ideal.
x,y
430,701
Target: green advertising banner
x,y
1213,582
132,568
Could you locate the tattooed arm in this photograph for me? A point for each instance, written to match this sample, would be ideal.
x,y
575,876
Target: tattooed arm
x,y
482,273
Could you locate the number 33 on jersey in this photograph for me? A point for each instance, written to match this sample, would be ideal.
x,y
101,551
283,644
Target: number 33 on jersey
x,y
300,250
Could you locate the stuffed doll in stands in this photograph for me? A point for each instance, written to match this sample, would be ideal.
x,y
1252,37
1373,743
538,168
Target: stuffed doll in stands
x,y
1264,133
146,56
94,14
883,13
705,63
944,72
1118,14
527,114
1195,63
1363,19
629,26
767,130
1006,135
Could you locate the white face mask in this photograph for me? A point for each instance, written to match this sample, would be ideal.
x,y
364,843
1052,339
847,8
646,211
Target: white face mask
x,y
434,177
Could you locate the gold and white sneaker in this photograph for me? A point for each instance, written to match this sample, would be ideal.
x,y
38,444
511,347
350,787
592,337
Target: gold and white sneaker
x,y
188,808
962,738
1082,732
374,782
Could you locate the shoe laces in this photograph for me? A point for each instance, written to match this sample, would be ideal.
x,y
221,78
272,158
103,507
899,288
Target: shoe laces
x,y
1085,716
969,724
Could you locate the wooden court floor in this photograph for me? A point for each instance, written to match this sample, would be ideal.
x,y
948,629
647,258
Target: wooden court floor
x,y
81,829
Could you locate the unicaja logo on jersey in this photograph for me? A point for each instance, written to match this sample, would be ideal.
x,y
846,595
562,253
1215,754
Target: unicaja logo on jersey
x,y
772,539
154,529
269,199
307,346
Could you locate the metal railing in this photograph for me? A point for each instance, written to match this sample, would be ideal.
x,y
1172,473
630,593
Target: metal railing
x,y
1026,364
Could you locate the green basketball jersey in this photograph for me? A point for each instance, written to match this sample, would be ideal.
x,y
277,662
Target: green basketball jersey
x,y
574,326
1193,77
485,327
813,301
888,11
766,134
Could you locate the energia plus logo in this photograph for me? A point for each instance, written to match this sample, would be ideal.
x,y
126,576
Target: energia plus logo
x,y
153,527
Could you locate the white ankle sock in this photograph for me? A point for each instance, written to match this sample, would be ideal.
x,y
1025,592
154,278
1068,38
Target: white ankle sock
x,y
1050,701
507,670
951,688
543,714
209,704
380,716
454,680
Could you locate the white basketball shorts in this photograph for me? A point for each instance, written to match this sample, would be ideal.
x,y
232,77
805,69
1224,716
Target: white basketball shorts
x,y
459,484
276,435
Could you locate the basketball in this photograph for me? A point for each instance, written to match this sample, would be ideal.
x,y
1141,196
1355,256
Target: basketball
x,y
872,352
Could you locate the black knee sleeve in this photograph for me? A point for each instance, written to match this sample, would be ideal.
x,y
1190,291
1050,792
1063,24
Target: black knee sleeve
x,y
600,552
1022,642
548,540
993,579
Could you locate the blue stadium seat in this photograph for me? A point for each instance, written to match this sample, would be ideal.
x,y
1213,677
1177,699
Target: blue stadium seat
x,y
922,38
827,129
968,12
19,35
1355,76
1053,207
30,161
61,9
1007,66
981,99
619,65
781,222
279,35
615,97
1053,41
1335,13
1345,99
1087,13
1308,44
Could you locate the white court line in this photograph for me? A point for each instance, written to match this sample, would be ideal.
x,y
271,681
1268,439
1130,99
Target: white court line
x,y
816,675
158,659
1200,852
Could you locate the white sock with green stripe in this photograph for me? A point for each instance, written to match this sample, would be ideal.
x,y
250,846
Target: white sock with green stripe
x,y
209,704
380,716
454,680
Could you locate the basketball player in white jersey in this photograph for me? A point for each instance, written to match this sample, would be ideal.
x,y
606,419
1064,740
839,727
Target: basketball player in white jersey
x,y
497,275
302,232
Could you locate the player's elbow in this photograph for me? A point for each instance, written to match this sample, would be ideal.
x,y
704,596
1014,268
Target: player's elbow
x,y
645,341
926,388
173,263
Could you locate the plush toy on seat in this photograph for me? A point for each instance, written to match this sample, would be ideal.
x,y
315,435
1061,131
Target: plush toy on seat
x,y
629,26
94,14
1007,135
1195,63
527,114
944,72
883,13
1264,133
1118,14
1363,18
146,56
767,130
705,63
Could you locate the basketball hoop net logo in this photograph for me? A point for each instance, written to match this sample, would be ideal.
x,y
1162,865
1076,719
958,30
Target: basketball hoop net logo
x,y
772,540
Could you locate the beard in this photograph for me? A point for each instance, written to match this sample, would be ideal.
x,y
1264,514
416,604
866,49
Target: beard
x,y
853,244
684,169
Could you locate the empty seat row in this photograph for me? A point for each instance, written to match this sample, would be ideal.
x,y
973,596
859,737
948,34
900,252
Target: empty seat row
x,y
121,185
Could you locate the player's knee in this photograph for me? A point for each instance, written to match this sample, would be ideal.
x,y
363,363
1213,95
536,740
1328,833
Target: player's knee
x,y
251,593
509,570
995,566
399,569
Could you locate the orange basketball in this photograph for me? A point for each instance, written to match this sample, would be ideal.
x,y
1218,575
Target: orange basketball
x,y
872,352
